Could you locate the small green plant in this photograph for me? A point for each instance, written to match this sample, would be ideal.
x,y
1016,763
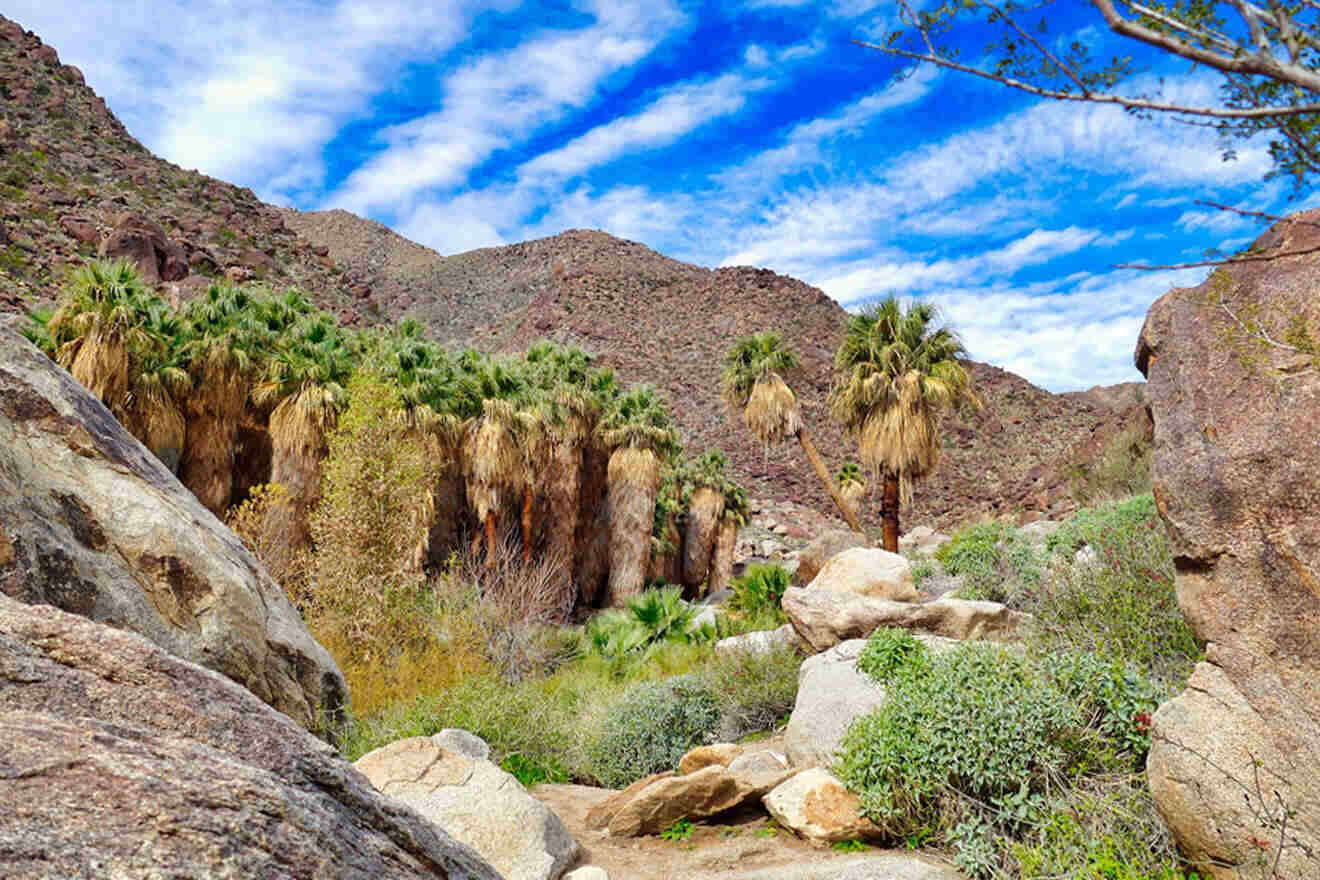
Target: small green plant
x,y
628,635
923,569
761,590
651,727
995,561
849,846
889,651
532,771
681,830
754,689
767,831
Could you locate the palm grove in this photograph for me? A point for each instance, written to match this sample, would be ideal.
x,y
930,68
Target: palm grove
x,y
245,394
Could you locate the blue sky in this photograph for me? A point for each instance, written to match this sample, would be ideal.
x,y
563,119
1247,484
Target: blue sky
x,y
717,133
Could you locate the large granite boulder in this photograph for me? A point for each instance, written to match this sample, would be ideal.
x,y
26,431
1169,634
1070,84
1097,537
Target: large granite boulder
x,y
823,618
815,805
1233,385
868,571
120,760
824,548
453,784
92,523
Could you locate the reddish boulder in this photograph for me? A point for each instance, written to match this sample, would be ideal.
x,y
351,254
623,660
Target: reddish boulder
x,y
142,241
1233,372
80,229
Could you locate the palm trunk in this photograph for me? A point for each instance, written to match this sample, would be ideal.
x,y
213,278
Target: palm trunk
x,y
810,449
591,559
889,510
721,562
528,495
703,524
634,482
564,488
492,539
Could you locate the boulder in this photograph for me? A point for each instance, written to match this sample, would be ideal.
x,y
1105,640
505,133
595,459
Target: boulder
x,y
823,549
122,760
832,693
92,523
815,805
476,802
651,805
715,755
588,872
1234,391
755,763
923,541
761,641
868,571
80,229
823,618
142,241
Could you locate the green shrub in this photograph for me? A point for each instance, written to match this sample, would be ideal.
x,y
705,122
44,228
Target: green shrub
x,y
970,743
890,651
995,561
923,569
627,636
1123,603
761,591
755,690
1122,468
651,727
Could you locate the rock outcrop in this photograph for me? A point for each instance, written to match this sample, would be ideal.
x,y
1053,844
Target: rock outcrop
x,y
92,523
452,784
824,548
140,240
1234,390
823,618
121,760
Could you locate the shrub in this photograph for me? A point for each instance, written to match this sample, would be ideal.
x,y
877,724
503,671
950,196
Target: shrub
x,y
651,727
995,561
923,569
760,592
971,742
755,691
1123,603
1122,468
627,636
890,651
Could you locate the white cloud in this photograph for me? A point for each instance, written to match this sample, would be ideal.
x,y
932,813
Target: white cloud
x,y
756,56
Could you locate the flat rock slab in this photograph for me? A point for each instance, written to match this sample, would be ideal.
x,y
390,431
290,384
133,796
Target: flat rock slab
x,y
475,802
823,618
120,760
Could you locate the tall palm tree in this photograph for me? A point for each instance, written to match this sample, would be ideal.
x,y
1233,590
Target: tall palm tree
x,y
752,382
898,374
704,481
852,485
639,434
305,379
227,345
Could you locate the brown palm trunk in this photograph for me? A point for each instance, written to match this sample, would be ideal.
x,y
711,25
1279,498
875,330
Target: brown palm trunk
x,y
819,466
721,563
703,524
528,494
889,511
564,487
634,481
492,539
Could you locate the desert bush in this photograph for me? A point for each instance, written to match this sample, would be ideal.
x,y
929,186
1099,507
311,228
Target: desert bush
x,y
1122,604
923,569
760,591
995,561
890,651
755,691
250,521
652,727
972,743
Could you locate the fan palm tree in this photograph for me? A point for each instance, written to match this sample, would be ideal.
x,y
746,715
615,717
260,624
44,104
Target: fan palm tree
x,y
731,521
704,481
898,373
228,343
752,382
852,485
305,380
639,434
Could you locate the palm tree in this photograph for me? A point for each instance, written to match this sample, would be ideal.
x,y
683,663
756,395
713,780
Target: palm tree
x,y
226,347
704,481
305,379
120,341
752,382
852,486
731,521
638,431
898,373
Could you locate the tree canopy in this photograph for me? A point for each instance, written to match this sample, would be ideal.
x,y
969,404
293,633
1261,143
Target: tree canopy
x,y
1266,54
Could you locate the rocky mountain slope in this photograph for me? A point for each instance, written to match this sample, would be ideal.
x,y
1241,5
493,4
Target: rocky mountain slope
x,y
74,183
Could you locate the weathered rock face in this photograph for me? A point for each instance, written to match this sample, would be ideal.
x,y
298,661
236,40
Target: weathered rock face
x,y
142,241
823,618
121,760
92,523
1237,454
476,802
761,641
651,805
868,571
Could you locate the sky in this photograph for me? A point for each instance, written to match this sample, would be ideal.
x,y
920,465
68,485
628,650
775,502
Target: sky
x,y
719,133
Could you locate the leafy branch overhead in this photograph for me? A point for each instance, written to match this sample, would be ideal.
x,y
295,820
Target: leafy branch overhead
x,y
1266,55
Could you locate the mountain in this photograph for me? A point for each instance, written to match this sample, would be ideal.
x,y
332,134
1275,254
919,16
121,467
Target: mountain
x,y
74,183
